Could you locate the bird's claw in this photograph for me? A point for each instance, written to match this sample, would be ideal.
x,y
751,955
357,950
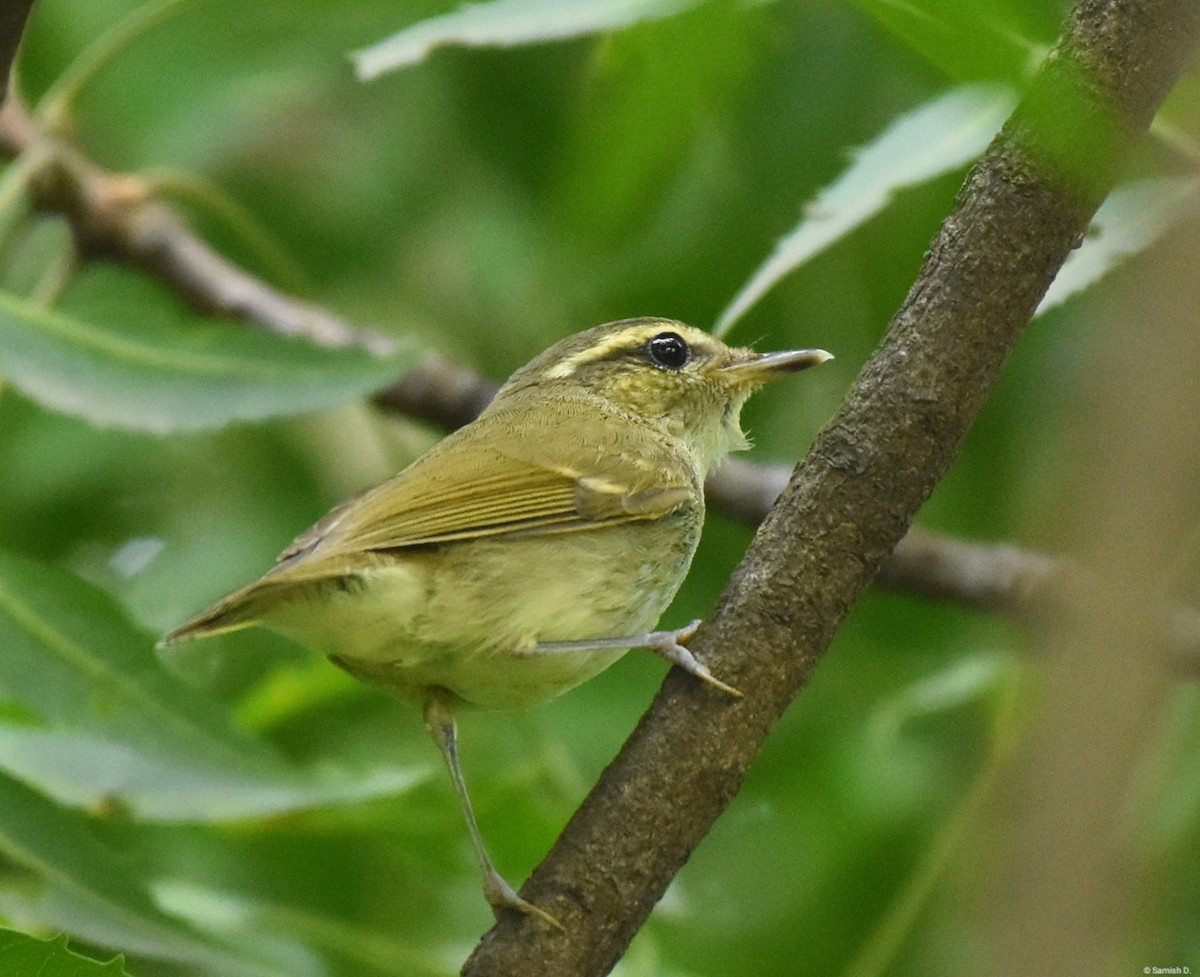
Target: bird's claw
x,y
672,645
501,896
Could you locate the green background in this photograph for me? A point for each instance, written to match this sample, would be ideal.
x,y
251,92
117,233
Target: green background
x,y
485,203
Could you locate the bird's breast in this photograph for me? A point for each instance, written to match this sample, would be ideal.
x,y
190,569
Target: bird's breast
x,y
468,616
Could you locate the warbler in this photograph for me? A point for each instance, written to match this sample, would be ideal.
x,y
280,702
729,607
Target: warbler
x,y
530,549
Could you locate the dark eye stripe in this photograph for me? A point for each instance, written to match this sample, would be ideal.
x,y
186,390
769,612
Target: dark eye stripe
x,y
668,351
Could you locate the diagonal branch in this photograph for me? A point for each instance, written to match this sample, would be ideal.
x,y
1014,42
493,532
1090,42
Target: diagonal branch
x,y
1022,209
117,213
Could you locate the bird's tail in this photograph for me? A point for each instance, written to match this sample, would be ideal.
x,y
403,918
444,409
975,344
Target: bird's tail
x,y
231,613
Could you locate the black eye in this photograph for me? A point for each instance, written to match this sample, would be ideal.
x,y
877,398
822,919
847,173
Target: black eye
x,y
669,351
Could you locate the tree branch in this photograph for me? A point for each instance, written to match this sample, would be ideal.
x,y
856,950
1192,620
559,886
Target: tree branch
x,y
118,214
1022,209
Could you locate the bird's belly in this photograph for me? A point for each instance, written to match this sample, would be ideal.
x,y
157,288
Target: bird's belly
x,y
468,617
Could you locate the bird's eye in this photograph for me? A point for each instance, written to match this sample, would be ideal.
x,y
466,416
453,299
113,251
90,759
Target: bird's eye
x,y
669,351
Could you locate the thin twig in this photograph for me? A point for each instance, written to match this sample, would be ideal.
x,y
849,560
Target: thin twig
x,y
116,213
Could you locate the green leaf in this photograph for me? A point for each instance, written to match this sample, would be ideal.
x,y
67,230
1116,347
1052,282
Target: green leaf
x,y
931,140
505,23
1132,218
93,892
93,719
87,770
121,351
26,956
970,40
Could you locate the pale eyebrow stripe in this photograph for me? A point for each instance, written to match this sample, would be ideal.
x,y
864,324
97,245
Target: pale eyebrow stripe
x,y
626,339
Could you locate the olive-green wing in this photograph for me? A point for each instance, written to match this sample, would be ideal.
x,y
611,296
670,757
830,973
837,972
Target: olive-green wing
x,y
505,474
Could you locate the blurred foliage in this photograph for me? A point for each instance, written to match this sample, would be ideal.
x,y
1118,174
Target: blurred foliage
x,y
484,203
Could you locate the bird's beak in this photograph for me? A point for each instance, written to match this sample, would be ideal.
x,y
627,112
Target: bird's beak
x,y
758,368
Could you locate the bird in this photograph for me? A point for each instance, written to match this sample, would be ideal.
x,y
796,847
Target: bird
x,y
528,550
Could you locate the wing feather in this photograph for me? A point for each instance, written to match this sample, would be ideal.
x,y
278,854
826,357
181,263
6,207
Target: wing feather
x,y
496,477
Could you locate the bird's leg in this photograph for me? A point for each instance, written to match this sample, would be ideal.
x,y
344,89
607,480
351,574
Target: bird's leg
x,y
670,644
439,720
